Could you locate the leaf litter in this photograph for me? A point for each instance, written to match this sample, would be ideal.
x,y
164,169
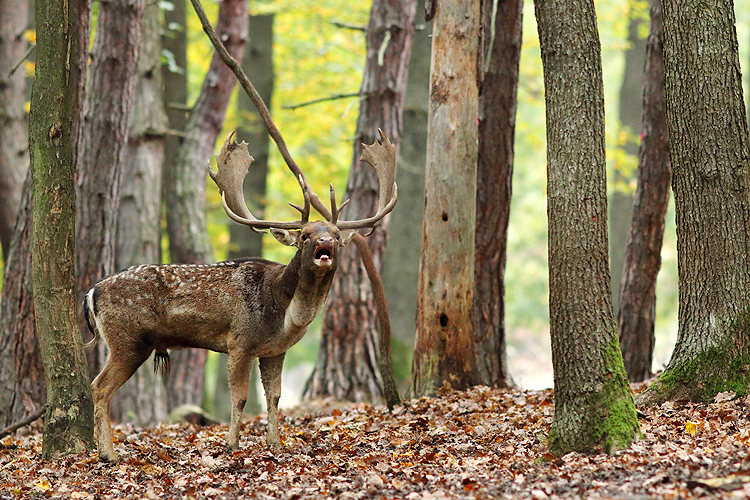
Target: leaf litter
x,y
481,443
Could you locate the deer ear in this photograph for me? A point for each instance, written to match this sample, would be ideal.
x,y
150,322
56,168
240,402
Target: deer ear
x,y
288,238
345,236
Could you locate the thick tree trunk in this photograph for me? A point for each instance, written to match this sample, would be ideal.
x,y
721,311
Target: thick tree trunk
x,y
593,403
621,198
497,122
142,400
400,271
21,370
14,141
185,185
347,364
56,104
637,305
711,181
443,351
109,101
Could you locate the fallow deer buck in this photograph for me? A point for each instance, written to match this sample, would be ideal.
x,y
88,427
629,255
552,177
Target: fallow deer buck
x,y
249,308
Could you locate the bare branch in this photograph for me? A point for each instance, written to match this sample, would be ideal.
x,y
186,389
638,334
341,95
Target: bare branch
x,y
333,97
23,423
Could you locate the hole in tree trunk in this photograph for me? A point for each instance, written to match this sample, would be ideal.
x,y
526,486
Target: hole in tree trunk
x,y
443,320
445,217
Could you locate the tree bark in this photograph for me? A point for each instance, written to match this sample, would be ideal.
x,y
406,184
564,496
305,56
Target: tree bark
x,y
501,53
21,370
710,178
14,141
347,364
142,400
185,185
443,350
57,98
593,403
109,101
637,306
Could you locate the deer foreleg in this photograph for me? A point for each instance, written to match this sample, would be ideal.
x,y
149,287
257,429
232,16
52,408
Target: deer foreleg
x,y
238,367
270,375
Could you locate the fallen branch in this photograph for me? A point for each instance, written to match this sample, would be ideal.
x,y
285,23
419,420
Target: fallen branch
x,y
23,423
386,370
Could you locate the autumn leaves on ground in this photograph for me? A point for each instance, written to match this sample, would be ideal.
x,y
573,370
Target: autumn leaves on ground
x,y
478,444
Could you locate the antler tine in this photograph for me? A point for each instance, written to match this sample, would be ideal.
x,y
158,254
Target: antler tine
x,y
233,163
336,210
304,211
382,156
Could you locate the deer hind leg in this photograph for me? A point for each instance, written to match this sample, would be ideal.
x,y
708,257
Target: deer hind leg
x,y
270,375
238,368
121,364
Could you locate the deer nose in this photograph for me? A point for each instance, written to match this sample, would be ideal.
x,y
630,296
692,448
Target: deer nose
x,y
325,240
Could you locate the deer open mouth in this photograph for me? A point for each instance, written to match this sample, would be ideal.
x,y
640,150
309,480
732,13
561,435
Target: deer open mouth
x,y
324,254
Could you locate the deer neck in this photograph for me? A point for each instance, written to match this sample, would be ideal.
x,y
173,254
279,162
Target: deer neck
x,y
306,291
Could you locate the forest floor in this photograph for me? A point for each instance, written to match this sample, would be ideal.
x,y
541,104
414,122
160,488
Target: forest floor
x,y
482,443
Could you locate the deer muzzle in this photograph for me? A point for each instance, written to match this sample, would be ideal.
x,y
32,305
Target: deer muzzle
x,y
324,252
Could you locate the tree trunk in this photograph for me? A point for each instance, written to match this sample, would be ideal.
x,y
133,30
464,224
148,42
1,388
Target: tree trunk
x,y
501,51
347,364
56,104
711,181
621,198
142,400
14,141
258,66
593,403
443,350
637,306
400,271
185,185
109,101
21,370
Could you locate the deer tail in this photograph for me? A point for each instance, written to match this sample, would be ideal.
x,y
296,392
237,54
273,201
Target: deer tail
x,y
90,313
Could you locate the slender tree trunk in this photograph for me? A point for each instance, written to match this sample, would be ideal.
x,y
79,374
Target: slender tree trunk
x,y
142,400
14,142
593,403
621,198
21,370
443,351
347,364
637,306
56,104
185,185
109,101
400,272
501,51
711,181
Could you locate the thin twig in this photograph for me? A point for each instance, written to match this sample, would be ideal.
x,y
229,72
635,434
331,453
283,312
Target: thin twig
x,y
25,56
347,26
23,423
333,97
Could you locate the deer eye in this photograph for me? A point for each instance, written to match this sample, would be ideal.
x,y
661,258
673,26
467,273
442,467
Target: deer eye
x,y
305,237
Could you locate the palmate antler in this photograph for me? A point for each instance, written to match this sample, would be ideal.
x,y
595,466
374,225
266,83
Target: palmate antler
x,y
234,161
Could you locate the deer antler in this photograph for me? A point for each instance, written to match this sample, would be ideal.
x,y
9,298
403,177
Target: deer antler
x,y
382,156
233,163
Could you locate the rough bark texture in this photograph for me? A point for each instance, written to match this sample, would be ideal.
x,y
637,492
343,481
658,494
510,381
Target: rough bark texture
x,y
21,370
443,351
56,103
621,199
400,271
637,305
593,403
347,364
142,400
185,185
710,178
109,101
14,142
501,52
